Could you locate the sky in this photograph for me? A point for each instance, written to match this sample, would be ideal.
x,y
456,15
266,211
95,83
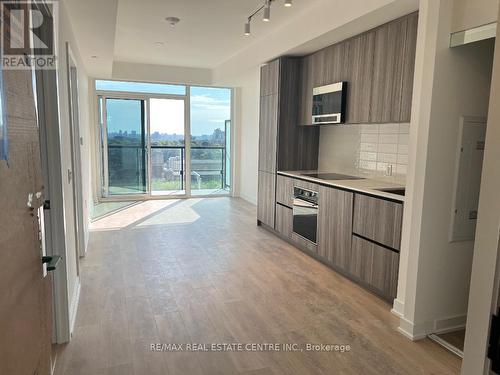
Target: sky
x,y
210,108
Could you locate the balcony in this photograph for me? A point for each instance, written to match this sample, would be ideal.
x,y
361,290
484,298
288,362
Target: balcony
x,y
127,166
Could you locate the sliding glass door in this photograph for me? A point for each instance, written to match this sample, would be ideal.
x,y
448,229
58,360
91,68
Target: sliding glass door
x,y
126,171
164,140
210,140
168,154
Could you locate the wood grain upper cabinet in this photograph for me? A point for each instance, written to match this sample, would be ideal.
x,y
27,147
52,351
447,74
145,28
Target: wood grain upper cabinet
x,y
269,78
268,131
266,199
409,66
335,225
387,87
361,79
378,220
306,91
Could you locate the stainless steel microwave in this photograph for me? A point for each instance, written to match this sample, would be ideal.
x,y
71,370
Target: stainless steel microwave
x,y
329,104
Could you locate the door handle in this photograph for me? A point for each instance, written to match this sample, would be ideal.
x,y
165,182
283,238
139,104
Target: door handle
x,y
51,261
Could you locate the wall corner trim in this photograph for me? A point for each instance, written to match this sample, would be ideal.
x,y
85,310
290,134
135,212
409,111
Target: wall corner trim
x,y
74,306
398,308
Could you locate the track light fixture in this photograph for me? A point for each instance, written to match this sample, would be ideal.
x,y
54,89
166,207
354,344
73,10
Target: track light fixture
x,y
247,27
267,11
266,17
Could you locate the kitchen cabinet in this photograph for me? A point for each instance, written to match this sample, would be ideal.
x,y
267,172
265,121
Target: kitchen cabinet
x,y
268,130
304,244
358,235
282,144
269,78
388,65
359,89
266,198
376,266
378,67
378,220
335,225
284,190
409,66
306,91
284,221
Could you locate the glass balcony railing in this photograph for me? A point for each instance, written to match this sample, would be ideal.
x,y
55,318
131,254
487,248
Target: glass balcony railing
x,y
127,166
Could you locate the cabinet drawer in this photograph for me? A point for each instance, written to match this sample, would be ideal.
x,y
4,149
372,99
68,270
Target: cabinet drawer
x,y
305,185
375,265
266,198
303,243
284,190
284,221
378,219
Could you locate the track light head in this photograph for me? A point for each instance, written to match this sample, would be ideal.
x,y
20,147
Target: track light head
x,y
267,11
247,28
288,3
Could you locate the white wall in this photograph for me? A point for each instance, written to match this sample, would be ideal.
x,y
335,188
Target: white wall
x,y
161,73
65,34
435,274
487,244
468,14
246,114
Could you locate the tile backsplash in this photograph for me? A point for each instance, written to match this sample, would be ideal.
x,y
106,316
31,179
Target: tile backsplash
x,y
368,149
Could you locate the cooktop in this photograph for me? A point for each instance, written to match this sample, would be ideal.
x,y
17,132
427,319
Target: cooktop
x,y
331,176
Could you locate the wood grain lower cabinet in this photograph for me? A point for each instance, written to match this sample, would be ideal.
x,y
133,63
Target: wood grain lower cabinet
x,y
303,243
268,132
378,220
284,221
266,200
335,225
284,190
375,265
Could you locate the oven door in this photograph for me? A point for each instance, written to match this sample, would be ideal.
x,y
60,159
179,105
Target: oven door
x,y
305,214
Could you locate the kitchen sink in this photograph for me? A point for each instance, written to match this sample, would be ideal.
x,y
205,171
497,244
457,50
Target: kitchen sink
x,y
398,191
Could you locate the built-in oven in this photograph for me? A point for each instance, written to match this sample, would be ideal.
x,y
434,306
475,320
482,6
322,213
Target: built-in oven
x,y
305,213
329,104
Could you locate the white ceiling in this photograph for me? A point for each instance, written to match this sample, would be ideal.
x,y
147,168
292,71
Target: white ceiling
x,y
209,33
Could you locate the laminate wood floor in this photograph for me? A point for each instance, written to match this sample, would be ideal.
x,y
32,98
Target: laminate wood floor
x,y
201,271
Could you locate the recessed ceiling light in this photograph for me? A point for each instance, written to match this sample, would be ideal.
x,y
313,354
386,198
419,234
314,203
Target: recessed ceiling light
x,y
172,20
288,3
94,57
159,44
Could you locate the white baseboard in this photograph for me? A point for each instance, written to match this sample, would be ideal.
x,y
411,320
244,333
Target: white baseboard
x,y
73,308
251,200
412,331
420,331
450,324
398,308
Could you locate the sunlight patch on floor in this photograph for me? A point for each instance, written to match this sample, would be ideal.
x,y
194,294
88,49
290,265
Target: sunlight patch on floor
x,y
132,215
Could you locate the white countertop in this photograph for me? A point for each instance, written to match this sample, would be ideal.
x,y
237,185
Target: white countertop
x,y
366,185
